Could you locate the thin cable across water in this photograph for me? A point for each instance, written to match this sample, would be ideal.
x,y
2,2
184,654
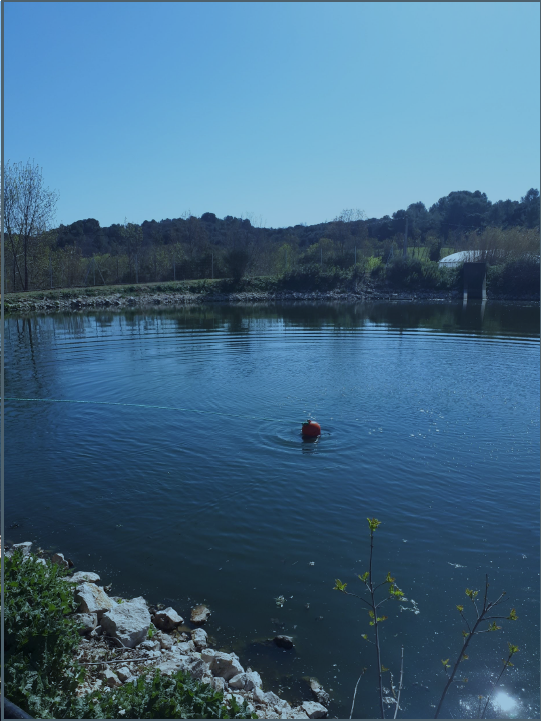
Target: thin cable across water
x,y
164,408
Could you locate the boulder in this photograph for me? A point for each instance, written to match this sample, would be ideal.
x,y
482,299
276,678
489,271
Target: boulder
x,y
59,559
110,678
184,647
298,713
207,654
314,710
199,637
198,668
166,642
124,674
319,692
24,547
82,577
128,621
259,695
173,663
221,664
218,683
89,621
93,599
199,614
271,699
150,645
167,620
284,641
247,681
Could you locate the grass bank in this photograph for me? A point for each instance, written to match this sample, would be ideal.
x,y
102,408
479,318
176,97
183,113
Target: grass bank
x,y
410,277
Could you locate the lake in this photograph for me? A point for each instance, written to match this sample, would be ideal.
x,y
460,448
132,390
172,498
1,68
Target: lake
x,y
198,487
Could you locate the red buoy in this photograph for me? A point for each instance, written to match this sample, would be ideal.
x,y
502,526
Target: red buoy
x,y
311,429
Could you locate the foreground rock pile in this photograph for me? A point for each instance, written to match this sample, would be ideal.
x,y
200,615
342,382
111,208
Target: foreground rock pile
x,y
124,638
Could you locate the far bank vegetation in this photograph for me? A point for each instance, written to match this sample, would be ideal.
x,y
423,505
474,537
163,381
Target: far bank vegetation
x,y
351,247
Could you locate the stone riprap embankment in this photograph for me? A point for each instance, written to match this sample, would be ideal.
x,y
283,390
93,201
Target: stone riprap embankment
x,y
116,648
149,299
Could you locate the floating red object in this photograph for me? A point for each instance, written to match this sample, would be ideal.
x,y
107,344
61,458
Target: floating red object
x,y
311,429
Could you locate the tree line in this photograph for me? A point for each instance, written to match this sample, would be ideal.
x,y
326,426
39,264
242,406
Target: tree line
x,y
39,254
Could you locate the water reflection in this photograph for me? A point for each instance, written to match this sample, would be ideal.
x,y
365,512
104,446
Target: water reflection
x,y
492,317
309,445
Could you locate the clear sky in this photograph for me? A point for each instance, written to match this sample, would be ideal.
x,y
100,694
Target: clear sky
x,y
290,112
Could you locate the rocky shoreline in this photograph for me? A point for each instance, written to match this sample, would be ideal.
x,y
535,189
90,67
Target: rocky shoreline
x,y
122,639
148,299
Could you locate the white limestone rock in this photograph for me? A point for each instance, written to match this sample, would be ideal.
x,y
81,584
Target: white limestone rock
x,y
258,695
93,599
59,559
124,674
128,621
319,692
200,638
314,710
166,642
271,699
207,654
90,621
167,620
218,683
226,665
247,681
150,645
83,577
24,547
200,614
110,678
184,647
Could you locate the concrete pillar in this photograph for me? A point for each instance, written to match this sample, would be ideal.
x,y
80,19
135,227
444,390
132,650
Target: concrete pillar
x,y
475,280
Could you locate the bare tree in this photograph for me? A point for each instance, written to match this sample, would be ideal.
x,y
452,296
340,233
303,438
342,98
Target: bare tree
x,y
29,210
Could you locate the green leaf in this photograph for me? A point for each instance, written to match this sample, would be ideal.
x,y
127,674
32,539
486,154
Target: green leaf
x,y
339,586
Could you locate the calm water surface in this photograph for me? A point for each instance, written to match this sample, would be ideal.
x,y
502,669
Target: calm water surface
x,y
430,420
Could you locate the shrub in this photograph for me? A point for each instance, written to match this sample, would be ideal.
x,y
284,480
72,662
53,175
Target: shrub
x,y
159,697
421,274
313,277
374,266
39,636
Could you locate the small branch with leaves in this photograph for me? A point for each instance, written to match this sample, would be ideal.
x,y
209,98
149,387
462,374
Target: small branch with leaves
x,y
482,615
373,606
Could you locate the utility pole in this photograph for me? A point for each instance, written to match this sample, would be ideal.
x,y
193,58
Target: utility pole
x,y
286,259
406,239
174,266
321,255
212,266
50,271
355,255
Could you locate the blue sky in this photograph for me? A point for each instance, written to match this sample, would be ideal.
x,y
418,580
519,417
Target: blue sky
x,y
289,112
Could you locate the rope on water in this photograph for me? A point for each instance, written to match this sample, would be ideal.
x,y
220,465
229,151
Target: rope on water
x,y
163,408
